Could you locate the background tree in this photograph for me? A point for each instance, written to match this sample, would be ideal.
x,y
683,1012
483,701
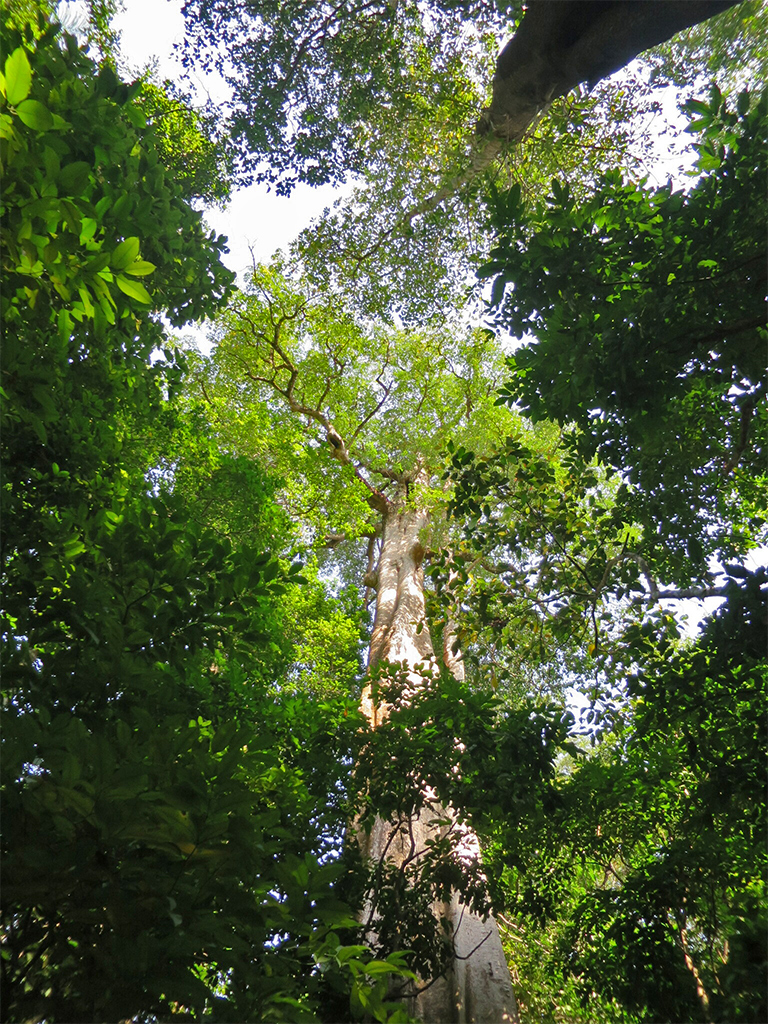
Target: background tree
x,y
162,855
729,49
371,410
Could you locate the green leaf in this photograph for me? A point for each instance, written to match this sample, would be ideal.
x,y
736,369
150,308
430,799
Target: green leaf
x,y
140,268
65,325
133,289
85,298
124,254
106,302
88,229
72,548
81,803
497,290
107,82
74,177
35,115
378,967
6,124
18,77
697,107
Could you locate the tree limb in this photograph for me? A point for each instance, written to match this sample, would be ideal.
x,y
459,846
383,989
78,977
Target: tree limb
x,y
562,43
558,45
654,594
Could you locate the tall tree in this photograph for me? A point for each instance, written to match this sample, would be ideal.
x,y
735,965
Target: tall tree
x,y
379,404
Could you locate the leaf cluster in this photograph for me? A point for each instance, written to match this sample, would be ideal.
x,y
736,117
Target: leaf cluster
x,y
643,312
544,558
201,164
79,165
447,744
648,879
730,48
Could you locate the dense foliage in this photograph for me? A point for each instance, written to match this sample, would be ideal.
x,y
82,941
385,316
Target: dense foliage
x,y
161,857
312,85
182,747
647,880
655,347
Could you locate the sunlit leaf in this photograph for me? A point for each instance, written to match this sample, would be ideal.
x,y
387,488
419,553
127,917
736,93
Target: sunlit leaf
x,y
35,115
18,78
133,289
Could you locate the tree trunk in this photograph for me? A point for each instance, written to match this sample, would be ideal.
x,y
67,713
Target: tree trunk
x,y
558,45
477,987
561,43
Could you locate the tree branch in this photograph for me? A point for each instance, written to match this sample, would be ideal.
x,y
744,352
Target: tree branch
x,y
654,593
737,327
558,45
386,388
562,43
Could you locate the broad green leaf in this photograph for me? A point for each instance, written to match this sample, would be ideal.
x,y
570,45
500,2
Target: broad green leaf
x,y
65,325
697,107
124,254
106,302
140,268
18,77
73,547
35,115
74,177
85,297
88,229
52,162
133,289
6,127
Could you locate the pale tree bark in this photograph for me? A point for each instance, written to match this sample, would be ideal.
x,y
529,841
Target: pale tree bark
x,y
682,932
477,987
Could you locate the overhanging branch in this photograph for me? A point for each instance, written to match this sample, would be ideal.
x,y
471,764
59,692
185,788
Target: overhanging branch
x,y
561,43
